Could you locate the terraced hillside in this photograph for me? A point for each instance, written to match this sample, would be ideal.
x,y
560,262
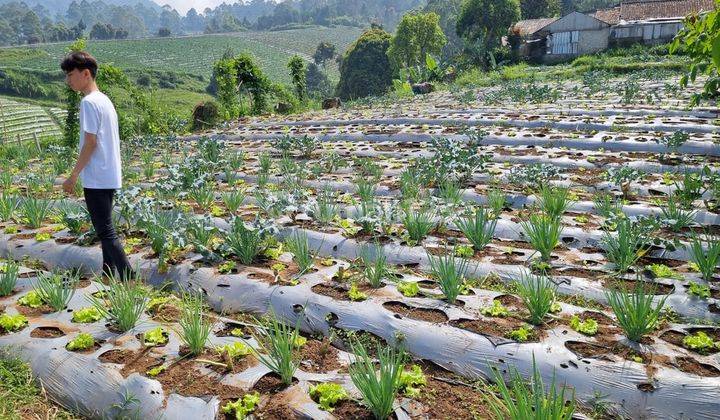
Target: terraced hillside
x,y
569,230
25,122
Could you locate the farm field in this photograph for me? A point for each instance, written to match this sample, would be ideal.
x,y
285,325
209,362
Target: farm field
x,y
24,121
194,54
563,231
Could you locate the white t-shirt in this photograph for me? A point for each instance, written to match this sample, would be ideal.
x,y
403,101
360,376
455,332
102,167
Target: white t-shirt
x,y
98,116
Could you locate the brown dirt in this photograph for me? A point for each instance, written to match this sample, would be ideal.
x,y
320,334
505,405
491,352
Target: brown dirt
x,y
339,292
673,337
184,379
448,396
349,409
139,361
228,327
692,366
274,409
421,314
46,332
270,384
497,327
319,357
648,286
167,313
34,312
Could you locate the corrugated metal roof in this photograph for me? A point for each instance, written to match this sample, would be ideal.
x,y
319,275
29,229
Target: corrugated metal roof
x,y
530,26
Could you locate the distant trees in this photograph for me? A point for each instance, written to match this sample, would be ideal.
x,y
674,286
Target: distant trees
x,y
417,35
365,68
296,65
481,25
107,31
448,11
324,52
163,32
239,81
533,9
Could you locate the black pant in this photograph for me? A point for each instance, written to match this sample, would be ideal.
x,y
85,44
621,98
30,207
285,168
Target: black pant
x,y
99,203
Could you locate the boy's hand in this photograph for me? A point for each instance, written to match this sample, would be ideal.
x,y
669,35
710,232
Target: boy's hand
x,y
69,184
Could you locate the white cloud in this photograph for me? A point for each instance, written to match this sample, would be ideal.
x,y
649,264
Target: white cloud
x,y
183,6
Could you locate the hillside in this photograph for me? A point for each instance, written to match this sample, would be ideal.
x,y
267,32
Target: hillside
x,y
20,120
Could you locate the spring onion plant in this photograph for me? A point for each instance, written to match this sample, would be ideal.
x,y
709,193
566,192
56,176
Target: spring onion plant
x,y
538,295
325,208
554,201
233,200
8,206
277,343
636,311
675,217
543,232
496,202
56,289
298,244
374,264
449,273
244,242
121,302
478,228
195,327
705,255
625,247
418,223
8,277
35,211
378,389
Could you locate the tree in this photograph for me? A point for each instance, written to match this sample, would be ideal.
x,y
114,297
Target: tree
x,y
324,52
700,40
365,68
481,25
318,83
296,65
30,27
225,76
163,32
417,35
72,103
251,80
533,9
448,11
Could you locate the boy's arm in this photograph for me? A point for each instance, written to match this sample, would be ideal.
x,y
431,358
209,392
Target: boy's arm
x,y
89,146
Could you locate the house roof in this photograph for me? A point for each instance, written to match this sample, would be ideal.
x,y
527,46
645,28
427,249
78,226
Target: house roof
x,y
610,16
631,10
530,26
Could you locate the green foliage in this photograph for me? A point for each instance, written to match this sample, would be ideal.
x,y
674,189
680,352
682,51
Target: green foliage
x,y
195,327
83,341
497,309
526,402
355,294
10,323
521,334
478,228
244,242
587,327
277,343
411,381
700,342
554,201
700,40
449,273
365,69
705,254
482,23
625,247
299,246
56,289
243,406
374,264
35,211
408,288
635,311
8,277
327,394
252,81
378,389
87,315
543,232
235,350
663,271
700,290
416,36
155,337
31,299
120,302
72,105
538,294
296,65
418,223
225,75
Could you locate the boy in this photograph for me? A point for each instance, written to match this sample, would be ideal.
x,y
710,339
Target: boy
x,y
98,165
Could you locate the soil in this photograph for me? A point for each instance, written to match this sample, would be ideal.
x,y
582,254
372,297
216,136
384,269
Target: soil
x,y
46,332
320,357
648,286
274,409
497,327
228,327
139,361
340,292
449,396
349,409
692,366
420,314
167,313
673,337
270,384
185,379
34,312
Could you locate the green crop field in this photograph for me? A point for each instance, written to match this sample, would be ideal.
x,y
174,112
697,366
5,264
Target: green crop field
x,y
194,54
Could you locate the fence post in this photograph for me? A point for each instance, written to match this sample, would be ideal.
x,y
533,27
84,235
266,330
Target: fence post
x,y
37,142
18,139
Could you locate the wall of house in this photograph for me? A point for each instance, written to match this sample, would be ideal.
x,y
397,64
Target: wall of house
x,y
644,32
568,44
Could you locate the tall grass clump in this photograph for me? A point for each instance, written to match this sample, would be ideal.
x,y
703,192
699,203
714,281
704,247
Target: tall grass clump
x,y
625,247
554,201
635,311
277,343
8,277
378,388
449,273
121,302
705,255
8,206
538,294
298,244
418,223
543,232
374,264
244,242
195,327
56,289
233,200
479,228
522,401
35,211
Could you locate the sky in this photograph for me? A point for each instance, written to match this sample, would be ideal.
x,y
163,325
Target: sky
x,y
183,6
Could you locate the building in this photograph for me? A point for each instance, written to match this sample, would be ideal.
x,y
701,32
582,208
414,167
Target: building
x,y
632,21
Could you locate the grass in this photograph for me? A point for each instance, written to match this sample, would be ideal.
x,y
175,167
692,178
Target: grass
x,y
521,401
635,311
624,248
277,343
56,289
299,246
538,294
194,326
21,397
245,243
378,389
705,256
449,273
479,228
120,302
418,224
8,277
374,264
554,201
543,232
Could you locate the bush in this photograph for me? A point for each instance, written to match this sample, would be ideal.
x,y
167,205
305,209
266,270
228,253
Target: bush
x,y
205,115
365,68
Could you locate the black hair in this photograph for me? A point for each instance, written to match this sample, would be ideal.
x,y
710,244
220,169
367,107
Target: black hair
x,y
79,60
